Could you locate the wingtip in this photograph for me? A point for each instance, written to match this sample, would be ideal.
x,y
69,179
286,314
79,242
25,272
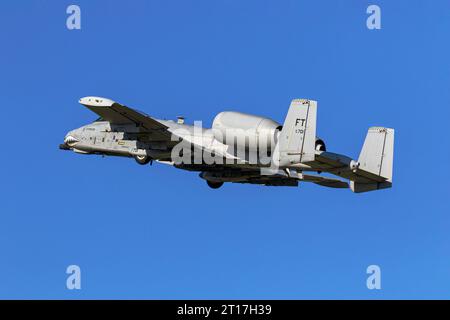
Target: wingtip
x,y
96,101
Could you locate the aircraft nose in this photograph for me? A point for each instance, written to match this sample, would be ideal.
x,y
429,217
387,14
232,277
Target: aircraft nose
x,y
70,140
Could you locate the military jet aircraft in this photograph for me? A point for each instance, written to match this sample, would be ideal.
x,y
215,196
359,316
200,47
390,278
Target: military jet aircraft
x,y
239,148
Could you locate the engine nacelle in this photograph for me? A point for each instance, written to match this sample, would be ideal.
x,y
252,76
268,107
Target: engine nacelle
x,y
245,131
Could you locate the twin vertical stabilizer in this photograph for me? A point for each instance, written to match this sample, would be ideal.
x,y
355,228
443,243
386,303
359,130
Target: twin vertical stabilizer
x,y
296,143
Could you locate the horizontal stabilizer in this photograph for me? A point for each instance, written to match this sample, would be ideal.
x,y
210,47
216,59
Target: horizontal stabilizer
x,y
324,181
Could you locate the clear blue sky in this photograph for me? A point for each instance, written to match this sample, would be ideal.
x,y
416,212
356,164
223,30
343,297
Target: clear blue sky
x,y
157,232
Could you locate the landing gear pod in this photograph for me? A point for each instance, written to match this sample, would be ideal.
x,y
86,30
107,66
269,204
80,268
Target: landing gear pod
x,y
142,159
214,185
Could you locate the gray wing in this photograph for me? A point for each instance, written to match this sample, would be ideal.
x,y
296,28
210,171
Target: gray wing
x,y
119,114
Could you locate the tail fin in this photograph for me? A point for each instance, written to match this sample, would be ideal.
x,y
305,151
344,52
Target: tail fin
x,y
296,143
376,160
